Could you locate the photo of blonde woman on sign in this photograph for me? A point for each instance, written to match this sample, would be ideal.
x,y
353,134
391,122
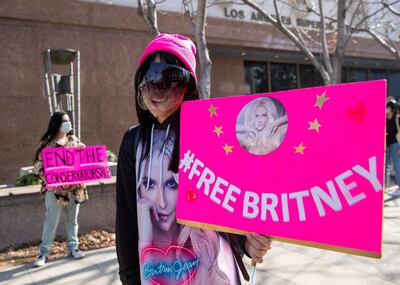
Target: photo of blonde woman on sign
x,y
261,125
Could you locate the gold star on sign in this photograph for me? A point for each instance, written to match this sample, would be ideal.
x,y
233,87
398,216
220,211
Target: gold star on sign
x,y
315,125
218,130
321,99
300,148
228,149
213,111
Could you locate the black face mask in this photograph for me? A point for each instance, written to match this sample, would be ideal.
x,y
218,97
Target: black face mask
x,y
161,79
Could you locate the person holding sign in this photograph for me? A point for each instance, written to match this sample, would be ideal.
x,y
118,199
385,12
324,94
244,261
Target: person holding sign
x,y
67,198
152,248
392,145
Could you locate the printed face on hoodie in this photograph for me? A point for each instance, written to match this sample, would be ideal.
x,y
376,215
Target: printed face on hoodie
x,y
162,192
163,102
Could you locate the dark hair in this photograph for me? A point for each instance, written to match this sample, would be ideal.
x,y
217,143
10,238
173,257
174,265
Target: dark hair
x,y
52,130
146,118
392,105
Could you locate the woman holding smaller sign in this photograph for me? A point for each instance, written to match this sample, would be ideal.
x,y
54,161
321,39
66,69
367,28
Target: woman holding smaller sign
x,y
152,248
59,134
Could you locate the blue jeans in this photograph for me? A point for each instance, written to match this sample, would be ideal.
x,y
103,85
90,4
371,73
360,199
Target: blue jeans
x,y
392,156
53,213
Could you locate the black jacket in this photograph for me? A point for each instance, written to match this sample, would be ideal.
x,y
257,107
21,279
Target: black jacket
x,y
126,219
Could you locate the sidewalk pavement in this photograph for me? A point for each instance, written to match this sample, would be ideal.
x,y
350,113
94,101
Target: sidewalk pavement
x,y
284,264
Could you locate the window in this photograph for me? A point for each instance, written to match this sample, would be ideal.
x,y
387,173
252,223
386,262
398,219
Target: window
x,y
394,84
256,76
283,76
261,77
356,74
375,74
309,76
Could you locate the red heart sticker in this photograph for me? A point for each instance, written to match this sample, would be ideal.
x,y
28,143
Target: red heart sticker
x,y
175,266
357,113
191,195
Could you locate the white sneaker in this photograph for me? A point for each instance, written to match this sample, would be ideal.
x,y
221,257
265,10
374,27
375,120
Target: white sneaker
x,y
40,261
77,254
395,193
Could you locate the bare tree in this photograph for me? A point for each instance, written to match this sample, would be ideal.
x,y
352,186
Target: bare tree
x,y
150,17
383,30
297,38
349,19
199,23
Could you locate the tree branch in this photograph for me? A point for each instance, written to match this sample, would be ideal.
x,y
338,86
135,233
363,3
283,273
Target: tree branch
x,y
391,8
341,29
349,30
383,39
373,14
278,17
295,39
151,17
189,11
325,49
391,49
204,57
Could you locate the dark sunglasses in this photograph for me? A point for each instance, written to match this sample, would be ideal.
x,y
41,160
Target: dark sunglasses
x,y
163,76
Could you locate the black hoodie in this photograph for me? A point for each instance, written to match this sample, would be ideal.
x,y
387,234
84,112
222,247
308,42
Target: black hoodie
x,y
127,230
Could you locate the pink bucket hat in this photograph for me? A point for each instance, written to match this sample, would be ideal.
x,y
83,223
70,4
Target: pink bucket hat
x,y
178,45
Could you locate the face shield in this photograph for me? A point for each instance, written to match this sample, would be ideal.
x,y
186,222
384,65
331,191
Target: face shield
x,y
161,83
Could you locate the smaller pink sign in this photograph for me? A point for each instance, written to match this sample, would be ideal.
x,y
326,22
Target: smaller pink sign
x,y
73,165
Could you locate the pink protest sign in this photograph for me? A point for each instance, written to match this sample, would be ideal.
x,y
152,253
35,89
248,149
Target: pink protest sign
x,y
69,166
303,166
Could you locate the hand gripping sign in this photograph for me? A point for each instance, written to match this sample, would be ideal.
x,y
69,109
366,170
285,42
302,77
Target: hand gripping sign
x,y
302,166
69,166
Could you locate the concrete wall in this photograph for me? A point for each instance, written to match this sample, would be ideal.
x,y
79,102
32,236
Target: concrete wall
x,y
22,213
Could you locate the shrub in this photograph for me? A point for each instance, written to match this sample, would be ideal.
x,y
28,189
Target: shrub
x,y
111,156
28,179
